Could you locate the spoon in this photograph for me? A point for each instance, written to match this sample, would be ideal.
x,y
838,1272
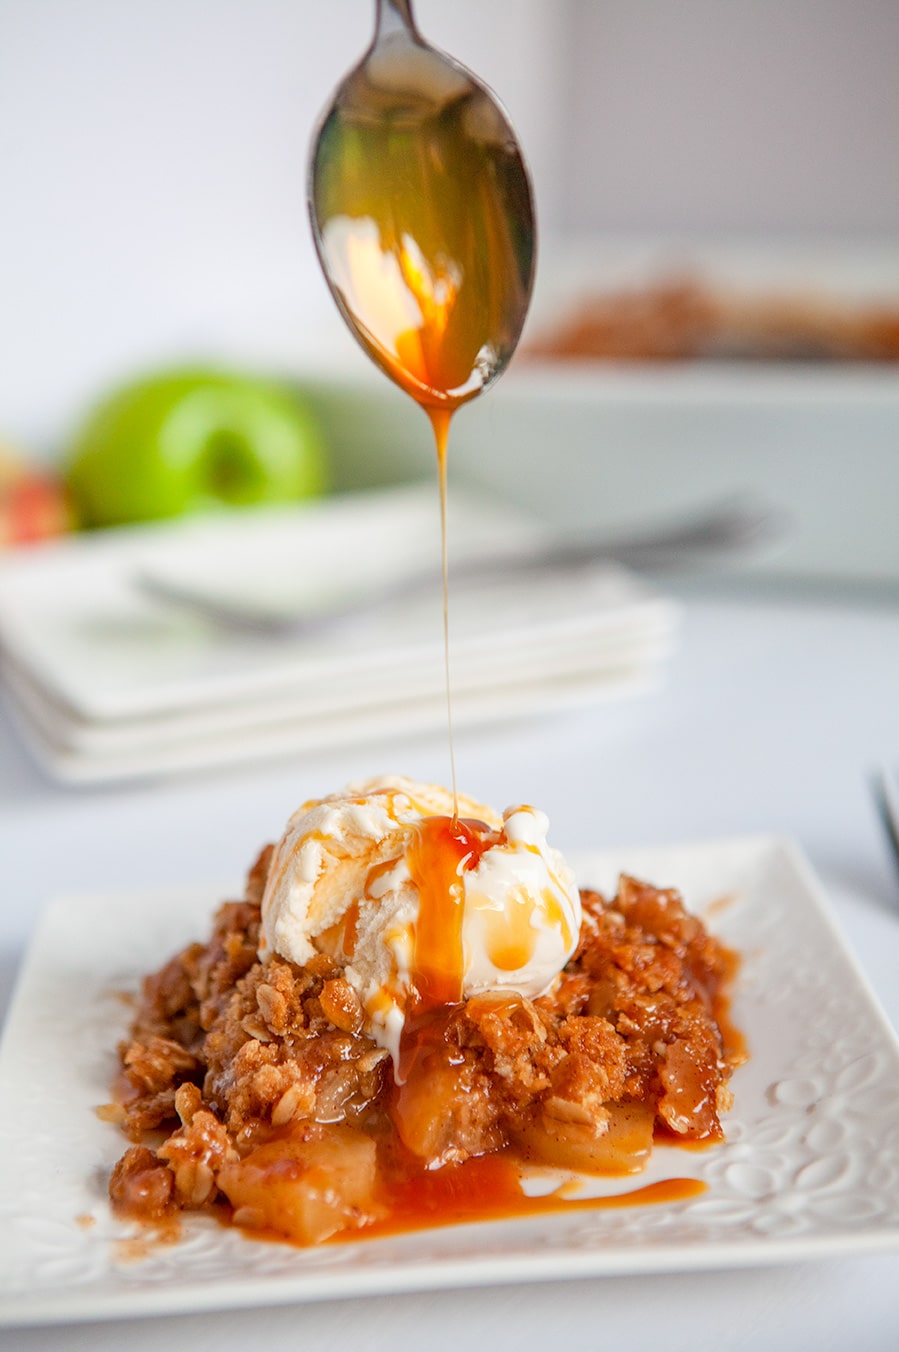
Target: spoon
x,y
423,219
422,216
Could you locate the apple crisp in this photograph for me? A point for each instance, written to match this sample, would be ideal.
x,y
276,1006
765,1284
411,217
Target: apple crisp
x,y
687,320
265,1101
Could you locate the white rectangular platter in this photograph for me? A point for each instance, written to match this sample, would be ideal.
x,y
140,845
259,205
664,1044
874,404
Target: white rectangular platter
x,y
810,1166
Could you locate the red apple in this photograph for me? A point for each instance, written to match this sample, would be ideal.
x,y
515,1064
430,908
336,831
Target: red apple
x,y
32,503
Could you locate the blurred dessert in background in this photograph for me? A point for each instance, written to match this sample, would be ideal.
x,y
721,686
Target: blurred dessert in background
x,y
690,320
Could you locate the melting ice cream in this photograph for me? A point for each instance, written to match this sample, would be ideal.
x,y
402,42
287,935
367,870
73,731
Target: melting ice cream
x,y
422,907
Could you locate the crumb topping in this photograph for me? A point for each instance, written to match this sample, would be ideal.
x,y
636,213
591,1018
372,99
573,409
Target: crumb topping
x,y
262,1080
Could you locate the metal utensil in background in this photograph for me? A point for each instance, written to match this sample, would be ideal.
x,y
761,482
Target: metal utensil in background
x,y
726,529
886,799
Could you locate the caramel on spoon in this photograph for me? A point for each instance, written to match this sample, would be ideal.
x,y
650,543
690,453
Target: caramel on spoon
x,y
422,216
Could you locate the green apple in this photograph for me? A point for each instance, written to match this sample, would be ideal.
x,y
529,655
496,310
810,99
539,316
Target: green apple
x,y
187,440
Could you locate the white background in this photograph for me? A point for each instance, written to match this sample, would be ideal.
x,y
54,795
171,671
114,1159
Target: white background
x,y
152,156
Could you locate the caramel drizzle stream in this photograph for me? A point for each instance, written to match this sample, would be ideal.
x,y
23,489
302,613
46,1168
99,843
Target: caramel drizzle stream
x,y
440,421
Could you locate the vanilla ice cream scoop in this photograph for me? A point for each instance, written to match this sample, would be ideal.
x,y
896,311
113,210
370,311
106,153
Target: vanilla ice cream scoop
x,y
423,909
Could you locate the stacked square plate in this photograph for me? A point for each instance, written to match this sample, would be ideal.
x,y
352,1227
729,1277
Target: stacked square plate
x,y
110,678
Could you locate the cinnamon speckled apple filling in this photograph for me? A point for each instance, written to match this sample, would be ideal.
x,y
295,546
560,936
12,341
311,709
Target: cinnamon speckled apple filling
x,y
280,1115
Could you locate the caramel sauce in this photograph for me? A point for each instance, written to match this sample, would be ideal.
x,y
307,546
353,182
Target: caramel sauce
x,y
422,1044
734,1044
407,1198
440,421
484,1188
488,1187
350,928
440,850
510,934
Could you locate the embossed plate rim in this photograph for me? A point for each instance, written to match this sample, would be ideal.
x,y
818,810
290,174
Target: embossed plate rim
x,y
810,1166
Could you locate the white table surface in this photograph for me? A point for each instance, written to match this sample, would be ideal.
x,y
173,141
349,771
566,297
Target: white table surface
x,y
774,714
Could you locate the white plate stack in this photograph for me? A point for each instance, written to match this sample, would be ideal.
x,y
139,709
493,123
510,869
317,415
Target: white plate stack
x,y
110,682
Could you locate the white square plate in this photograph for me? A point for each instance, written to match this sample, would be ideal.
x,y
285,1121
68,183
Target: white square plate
x,y
91,754
810,1166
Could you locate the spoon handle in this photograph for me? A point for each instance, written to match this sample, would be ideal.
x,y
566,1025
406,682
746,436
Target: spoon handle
x,y
392,16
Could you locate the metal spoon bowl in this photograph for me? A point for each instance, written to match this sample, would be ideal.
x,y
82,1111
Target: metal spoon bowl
x,y
422,216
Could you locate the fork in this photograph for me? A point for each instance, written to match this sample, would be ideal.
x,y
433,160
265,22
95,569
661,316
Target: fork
x,y
725,528
886,798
